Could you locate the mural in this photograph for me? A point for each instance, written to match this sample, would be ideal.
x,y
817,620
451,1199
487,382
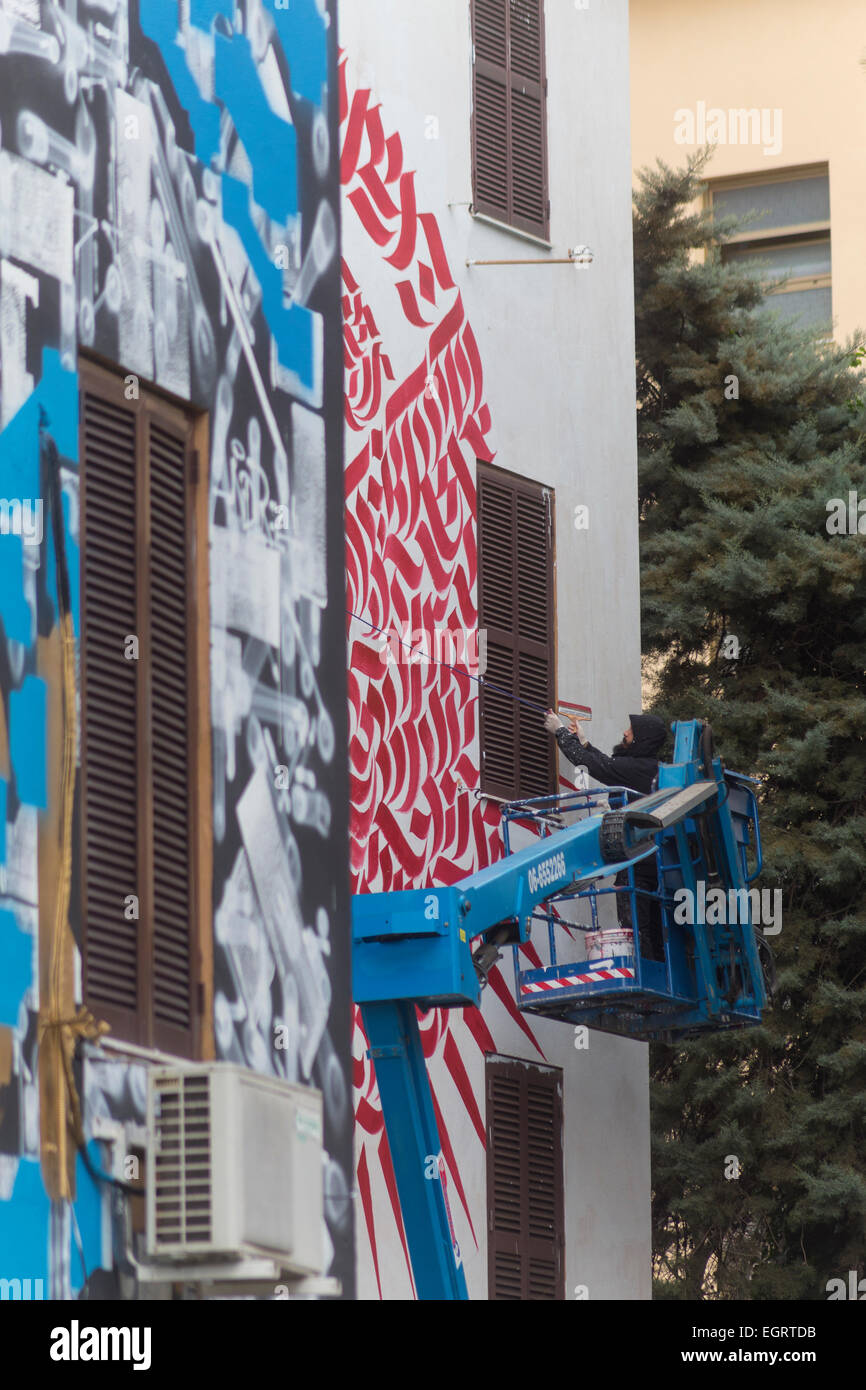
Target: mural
x,y
169,200
411,447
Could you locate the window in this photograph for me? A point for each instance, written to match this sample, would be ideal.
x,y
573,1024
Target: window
x,y
790,236
140,718
509,114
525,1205
515,602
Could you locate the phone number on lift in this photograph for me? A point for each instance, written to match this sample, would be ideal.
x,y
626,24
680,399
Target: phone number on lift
x,y
549,871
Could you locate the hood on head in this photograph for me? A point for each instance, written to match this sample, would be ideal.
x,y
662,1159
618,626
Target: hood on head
x,y
649,735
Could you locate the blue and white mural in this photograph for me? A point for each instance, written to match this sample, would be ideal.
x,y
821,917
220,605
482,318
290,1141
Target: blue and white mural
x,y
169,202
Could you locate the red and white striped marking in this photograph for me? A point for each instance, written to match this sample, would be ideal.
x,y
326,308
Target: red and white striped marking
x,y
566,981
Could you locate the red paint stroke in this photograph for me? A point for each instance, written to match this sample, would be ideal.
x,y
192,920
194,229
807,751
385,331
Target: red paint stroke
x,y
455,1064
369,220
367,1204
378,192
391,1183
437,250
354,135
448,1155
474,1021
376,134
501,990
394,146
426,283
405,248
410,305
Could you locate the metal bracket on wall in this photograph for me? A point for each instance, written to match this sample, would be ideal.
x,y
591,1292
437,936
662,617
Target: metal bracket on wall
x,y
580,256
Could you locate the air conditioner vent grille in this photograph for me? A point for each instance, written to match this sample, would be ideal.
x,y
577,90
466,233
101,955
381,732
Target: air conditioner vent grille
x,y
183,1174
234,1173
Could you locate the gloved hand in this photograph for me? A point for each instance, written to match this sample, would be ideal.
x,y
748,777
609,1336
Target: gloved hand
x,y
552,722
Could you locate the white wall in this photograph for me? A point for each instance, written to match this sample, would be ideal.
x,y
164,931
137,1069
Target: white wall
x,y
557,346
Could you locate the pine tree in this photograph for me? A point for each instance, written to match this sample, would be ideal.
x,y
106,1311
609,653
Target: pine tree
x,y
748,426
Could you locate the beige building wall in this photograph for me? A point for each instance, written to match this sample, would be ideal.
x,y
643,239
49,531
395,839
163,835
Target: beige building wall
x,y
802,60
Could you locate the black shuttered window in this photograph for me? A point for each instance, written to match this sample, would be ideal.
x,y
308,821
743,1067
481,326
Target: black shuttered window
x,y
525,1197
516,610
509,113
137,680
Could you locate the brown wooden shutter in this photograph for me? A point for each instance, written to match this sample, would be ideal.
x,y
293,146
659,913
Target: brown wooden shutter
x,y
525,1191
509,116
109,711
136,715
516,609
170,703
490,111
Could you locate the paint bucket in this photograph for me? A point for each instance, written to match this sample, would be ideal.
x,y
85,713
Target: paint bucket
x,y
601,944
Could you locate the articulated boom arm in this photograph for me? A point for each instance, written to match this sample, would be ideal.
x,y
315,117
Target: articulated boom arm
x,y
416,948
415,945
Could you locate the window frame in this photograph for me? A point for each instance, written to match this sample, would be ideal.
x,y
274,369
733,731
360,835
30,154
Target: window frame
x,y
518,484
520,1072
770,238
505,218
141,1028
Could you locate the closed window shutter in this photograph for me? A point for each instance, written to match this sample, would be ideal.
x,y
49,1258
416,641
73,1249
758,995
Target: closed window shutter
x,y
110,708
515,599
136,714
528,116
170,704
509,132
492,170
525,1196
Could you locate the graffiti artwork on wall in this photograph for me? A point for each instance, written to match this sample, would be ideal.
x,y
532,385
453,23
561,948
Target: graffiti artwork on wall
x,y
169,198
411,534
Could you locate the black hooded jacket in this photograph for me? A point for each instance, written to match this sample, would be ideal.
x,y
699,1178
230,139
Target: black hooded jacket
x,y
630,765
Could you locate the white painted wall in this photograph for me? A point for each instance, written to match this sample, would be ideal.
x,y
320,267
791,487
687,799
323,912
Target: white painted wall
x,y
557,346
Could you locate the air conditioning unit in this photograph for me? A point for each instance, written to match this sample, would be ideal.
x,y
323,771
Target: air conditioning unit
x,y
234,1168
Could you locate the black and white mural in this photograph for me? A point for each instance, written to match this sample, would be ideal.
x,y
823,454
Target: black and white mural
x,y
169,201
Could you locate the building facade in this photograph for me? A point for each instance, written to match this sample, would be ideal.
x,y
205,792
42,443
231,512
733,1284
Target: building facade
x,y
239,454
491,530
780,91
173,791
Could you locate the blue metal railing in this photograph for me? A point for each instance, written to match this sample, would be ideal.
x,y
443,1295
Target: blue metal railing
x,y
548,813
545,811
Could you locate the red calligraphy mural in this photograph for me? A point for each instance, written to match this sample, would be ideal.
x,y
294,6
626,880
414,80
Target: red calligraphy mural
x,y
412,440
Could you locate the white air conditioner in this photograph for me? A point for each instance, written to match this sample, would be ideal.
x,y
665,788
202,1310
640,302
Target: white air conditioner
x,y
234,1168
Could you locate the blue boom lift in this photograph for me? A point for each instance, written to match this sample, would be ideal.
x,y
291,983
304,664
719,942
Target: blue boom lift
x,y
416,948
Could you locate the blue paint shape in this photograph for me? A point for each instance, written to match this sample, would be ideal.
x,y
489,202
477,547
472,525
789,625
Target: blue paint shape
x,y
16,976
27,739
14,609
25,1228
292,325
302,33
202,13
159,22
19,452
270,142
88,1209
301,30
73,565
57,393
53,404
